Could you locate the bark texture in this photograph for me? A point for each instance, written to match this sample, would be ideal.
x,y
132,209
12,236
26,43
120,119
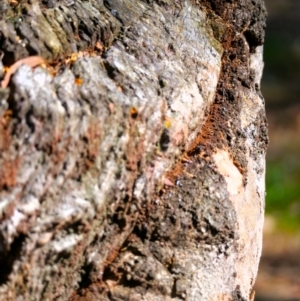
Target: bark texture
x,y
133,160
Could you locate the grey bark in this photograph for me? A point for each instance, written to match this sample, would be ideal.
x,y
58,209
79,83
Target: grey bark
x,y
133,170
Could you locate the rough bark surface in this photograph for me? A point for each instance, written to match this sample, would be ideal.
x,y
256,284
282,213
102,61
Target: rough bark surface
x,y
132,160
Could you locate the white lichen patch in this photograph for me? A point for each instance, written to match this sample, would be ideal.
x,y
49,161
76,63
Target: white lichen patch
x,y
66,243
30,205
256,63
248,205
229,171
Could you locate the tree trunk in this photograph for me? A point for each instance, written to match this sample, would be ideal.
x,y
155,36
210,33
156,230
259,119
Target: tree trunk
x,y
133,139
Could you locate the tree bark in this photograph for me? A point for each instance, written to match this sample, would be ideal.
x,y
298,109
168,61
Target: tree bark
x,y
132,149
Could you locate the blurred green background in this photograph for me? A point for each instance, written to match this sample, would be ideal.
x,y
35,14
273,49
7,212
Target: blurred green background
x,y
279,273
281,89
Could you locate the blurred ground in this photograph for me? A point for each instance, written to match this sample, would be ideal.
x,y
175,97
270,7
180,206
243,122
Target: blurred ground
x,y
279,273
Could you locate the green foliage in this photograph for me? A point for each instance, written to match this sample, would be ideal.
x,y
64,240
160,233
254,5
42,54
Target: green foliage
x,y
283,192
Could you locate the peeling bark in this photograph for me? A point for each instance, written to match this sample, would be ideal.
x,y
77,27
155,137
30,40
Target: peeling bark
x,y
133,160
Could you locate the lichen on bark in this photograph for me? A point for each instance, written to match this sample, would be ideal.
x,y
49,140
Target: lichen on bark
x,y
133,161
